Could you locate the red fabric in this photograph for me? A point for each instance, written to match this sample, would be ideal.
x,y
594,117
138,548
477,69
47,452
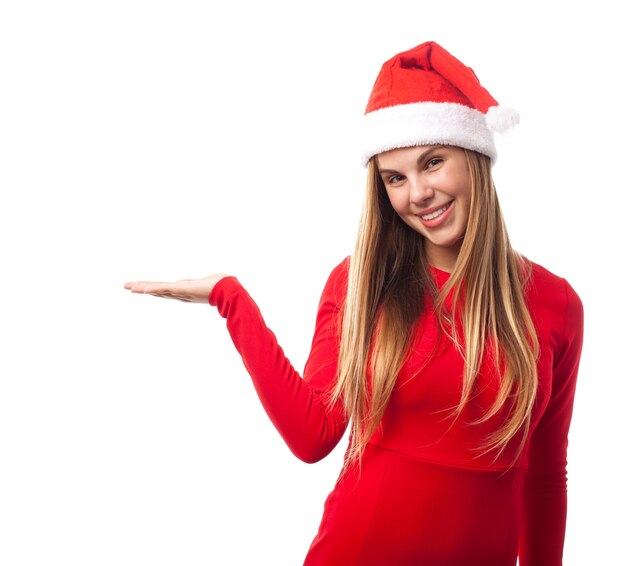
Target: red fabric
x,y
427,73
424,497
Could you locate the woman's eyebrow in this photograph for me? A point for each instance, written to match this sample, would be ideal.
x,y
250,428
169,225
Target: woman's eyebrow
x,y
420,159
427,153
385,171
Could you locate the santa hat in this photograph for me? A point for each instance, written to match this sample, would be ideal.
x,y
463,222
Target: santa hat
x,y
425,96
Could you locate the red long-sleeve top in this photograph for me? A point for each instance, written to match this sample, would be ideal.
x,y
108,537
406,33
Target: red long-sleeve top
x,y
412,425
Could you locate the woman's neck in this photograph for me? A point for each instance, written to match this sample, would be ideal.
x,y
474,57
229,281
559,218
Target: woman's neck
x,y
442,258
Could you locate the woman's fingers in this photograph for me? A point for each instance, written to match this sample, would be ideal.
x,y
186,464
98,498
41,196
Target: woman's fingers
x,y
187,290
149,287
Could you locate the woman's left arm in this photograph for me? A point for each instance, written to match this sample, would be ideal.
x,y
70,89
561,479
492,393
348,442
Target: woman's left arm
x,y
544,491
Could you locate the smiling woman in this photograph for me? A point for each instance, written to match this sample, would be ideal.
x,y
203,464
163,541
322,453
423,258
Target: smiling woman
x,y
452,358
430,189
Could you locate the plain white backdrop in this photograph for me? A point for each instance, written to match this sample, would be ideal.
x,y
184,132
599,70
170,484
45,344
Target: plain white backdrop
x,y
148,142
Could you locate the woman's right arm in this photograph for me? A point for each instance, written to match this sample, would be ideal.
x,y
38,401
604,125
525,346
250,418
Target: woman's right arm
x,y
295,404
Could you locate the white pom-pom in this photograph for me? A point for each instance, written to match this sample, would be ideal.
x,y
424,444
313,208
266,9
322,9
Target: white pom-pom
x,y
501,118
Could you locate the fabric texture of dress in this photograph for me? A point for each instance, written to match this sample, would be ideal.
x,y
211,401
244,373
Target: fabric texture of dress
x,y
425,497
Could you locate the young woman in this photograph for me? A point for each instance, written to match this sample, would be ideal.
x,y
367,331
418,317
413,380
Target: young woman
x,y
453,357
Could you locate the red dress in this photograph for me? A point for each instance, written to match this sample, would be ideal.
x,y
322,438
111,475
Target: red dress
x,y
424,498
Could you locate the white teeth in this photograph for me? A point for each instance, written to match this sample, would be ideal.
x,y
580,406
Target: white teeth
x,y
436,213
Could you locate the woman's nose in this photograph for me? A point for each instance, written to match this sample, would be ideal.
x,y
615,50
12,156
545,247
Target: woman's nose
x,y
420,192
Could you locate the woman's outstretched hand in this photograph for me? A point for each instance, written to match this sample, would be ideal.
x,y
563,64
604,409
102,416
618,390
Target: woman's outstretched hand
x,y
188,290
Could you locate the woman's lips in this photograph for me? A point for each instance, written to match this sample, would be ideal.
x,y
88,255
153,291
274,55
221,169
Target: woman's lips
x,y
434,222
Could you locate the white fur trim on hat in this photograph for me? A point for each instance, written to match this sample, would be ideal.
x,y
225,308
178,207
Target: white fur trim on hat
x,y
425,123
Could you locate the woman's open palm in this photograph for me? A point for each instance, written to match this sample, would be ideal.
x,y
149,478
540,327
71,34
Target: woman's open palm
x,y
188,290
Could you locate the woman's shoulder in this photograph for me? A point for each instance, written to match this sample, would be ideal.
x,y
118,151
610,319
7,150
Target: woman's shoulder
x,y
545,278
548,290
342,268
337,283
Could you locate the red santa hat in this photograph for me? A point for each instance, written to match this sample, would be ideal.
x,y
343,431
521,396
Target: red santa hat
x,y
426,96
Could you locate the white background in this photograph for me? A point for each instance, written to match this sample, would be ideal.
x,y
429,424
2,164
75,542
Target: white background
x,y
152,142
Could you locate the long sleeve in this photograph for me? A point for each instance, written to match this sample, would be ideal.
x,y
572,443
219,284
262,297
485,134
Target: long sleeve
x,y
544,489
294,404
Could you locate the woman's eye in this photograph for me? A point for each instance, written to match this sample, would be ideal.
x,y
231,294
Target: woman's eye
x,y
394,179
435,160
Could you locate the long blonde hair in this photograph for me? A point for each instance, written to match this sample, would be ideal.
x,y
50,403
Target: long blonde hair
x,y
388,281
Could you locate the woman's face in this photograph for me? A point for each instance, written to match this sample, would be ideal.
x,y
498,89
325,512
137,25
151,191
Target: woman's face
x,y
429,187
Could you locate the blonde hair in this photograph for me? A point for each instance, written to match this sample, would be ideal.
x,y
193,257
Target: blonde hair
x,y
388,280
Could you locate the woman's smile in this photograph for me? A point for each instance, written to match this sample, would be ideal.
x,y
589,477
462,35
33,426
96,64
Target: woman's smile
x,y
437,216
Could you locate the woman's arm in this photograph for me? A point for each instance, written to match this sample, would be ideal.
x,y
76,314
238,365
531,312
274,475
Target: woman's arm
x,y
544,492
294,404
